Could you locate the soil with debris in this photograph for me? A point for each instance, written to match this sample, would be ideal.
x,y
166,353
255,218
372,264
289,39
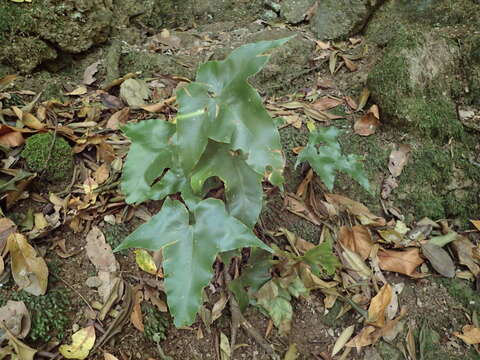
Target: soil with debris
x,y
401,79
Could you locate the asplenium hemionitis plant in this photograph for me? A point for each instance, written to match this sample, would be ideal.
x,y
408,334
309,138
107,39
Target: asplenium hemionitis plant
x,y
221,131
324,154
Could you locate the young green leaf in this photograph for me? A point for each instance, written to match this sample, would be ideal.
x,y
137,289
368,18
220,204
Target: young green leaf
x,y
324,155
322,256
189,250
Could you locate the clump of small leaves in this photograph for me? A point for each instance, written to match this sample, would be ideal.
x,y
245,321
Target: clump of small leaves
x,y
48,313
324,154
155,323
49,155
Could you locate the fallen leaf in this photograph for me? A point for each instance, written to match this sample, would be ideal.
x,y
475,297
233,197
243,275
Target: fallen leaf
x,y
99,252
32,122
326,103
292,353
439,259
357,239
366,125
82,343
118,119
136,317
364,338
362,101
398,159
355,263
350,102
378,306
7,227
333,61
16,318
343,339
90,71
355,208
29,271
101,174
145,261
20,351
476,223
389,184
108,356
6,80
151,295
464,249
401,261
81,90
111,102
10,137
134,92
225,351
350,64
471,335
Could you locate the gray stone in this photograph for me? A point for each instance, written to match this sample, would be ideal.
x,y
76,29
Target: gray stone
x,y
336,19
294,11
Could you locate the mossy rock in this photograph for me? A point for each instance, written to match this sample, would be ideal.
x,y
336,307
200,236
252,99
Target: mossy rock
x,y
26,53
415,83
49,155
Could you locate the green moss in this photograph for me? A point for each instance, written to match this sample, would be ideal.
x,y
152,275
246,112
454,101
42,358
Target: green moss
x,y
155,323
48,313
55,162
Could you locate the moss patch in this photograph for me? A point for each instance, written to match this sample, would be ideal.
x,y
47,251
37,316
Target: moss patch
x,y
50,156
115,234
155,323
48,313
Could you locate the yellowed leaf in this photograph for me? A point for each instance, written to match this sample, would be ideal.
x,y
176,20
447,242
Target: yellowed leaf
x,y
145,261
32,122
81,90
82,343
471,335
362,101
476,223
40,221
29,271
378,306
108,356
21,351
343,339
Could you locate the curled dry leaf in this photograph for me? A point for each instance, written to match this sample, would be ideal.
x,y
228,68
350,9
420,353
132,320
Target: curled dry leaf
x,y
82,343
136,317
355,208
366,125
29,271
118,119
378,306
90,71
471,334
464,250
398,159
326,103
16,318
357,239
99,252
342,339
350,64
401,261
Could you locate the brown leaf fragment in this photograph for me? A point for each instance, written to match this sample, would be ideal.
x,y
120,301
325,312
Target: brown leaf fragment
x,y
350,102
471,334
29,270
362,101
464,249
136,316
401,261
366,125
16,318
357,239
90,71
99,252
298,207
366,337
350,64
9,137
439,259
7,227
118,119
326,103
151,295
389,184
355,208
378,306
398,159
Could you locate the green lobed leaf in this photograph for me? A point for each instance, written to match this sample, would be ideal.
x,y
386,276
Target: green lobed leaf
x,y
243,186
327,158
322,256
150,154
223,107
189,250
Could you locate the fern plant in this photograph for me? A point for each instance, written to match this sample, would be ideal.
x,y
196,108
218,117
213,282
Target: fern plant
x,y
221,131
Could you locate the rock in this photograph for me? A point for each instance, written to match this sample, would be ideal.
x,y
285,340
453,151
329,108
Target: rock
x,y
294,11
414,83
336,19
26,53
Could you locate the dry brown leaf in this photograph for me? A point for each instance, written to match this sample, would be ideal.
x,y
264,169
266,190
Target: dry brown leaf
x,y
378,306
29,271
298,207
350,64
101,174
81,90
4,81
354,262
401,261
32,122
16,318
366,125
362,101
375,111
326,103
357,239
136,317
118,119
464,250
476,223
151,295
471,335
90,71
366,337
355,208
99,252
350,102
9,137
7,227
398,159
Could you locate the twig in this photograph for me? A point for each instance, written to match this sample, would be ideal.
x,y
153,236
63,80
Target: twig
x,y
241,321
